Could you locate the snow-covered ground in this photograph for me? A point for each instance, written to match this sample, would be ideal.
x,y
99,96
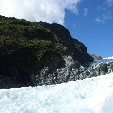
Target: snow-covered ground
x,y
91,95
108,58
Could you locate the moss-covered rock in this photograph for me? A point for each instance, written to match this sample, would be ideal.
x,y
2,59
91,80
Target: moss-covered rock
x,y
28,47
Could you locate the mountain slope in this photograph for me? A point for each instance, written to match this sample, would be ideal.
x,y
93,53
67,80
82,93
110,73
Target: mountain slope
x,y
30,52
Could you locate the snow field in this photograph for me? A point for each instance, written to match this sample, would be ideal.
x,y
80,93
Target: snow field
x,y
91,95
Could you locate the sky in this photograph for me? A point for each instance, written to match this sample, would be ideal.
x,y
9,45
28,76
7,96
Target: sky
x,y
89,21
93,25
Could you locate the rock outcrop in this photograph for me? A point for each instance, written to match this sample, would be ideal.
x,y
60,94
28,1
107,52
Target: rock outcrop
x,y
98,67
38,53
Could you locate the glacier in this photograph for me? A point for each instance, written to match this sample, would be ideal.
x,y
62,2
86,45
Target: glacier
x,y
91,95
109,57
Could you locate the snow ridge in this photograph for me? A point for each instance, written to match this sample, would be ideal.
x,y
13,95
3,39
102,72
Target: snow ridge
x,y
109,57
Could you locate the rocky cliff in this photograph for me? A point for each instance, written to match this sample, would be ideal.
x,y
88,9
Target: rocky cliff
x,y
38,53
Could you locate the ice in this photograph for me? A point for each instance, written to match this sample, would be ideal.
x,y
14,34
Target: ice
x,y
109,57
91,95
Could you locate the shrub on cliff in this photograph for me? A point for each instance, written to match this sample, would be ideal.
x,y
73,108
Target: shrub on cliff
x,y
27,47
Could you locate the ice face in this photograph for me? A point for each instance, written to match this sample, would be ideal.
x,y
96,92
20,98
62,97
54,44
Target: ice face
x,y
91,95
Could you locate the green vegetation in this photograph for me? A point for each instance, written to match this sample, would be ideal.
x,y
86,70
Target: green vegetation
x,y
27,47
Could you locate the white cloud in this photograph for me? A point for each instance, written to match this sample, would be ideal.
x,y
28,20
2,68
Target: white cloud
x,y
38,10
105,17
85,11
106,12
109,3
99,20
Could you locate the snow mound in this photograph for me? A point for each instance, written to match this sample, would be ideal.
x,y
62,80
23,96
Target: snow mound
x,y
91,95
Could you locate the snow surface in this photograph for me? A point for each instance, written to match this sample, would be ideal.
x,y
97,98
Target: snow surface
x,y
109,57
91,95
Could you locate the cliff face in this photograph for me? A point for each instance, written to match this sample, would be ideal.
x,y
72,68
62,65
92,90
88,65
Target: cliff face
x,y
33,53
